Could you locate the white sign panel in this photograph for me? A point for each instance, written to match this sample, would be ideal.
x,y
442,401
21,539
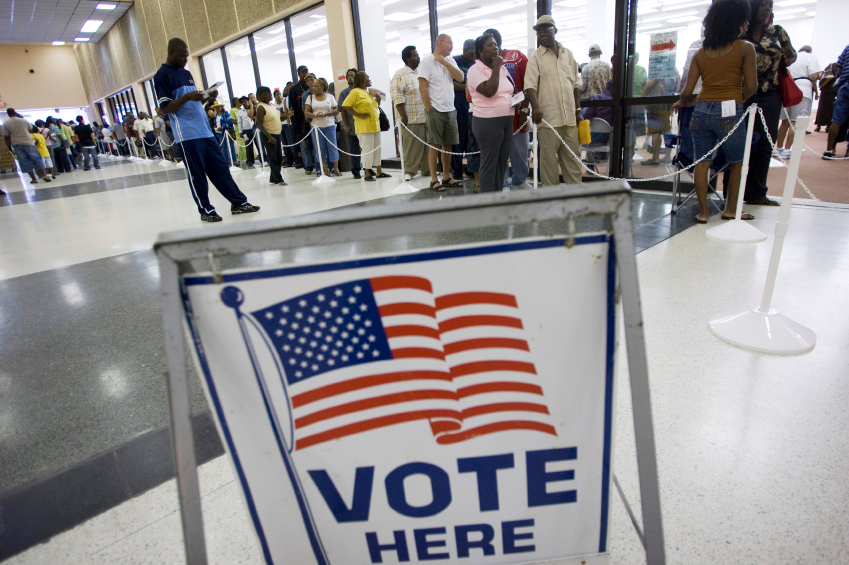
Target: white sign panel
x,y
446,404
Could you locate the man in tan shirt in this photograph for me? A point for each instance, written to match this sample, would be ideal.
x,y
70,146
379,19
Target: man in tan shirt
x,y
553,89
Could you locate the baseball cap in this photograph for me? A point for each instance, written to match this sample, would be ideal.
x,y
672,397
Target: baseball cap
x,y
469,45
544,21
595,47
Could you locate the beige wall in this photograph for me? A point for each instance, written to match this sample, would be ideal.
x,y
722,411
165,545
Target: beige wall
x,y
56,82
135,47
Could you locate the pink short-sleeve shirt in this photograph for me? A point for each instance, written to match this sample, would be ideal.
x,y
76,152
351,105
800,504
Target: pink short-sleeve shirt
x,y
499,105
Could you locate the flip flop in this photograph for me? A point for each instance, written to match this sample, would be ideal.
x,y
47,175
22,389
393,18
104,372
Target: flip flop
x,y
744,216
370,178
436,187
698,221
384,176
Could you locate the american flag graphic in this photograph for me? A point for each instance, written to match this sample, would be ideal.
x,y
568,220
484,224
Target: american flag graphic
x,y
377,352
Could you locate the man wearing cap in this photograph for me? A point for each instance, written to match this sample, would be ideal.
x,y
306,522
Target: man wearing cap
x,y
552,89
437,73
595,74
461,104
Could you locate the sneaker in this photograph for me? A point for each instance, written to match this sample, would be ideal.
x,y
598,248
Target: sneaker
x,y
308,171
245,208
407,177
785,153
356,174
828,155
211,217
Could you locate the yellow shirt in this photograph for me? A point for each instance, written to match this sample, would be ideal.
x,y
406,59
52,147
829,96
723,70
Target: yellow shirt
x,y
40,144
362,102
555,80
271,120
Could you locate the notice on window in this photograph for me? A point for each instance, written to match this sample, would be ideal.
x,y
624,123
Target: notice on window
x,y
664,50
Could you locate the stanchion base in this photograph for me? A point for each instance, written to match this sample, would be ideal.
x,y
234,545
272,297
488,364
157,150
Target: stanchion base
x,y
740,231
323,179
404,188
235,169
165,163
764,332
262,174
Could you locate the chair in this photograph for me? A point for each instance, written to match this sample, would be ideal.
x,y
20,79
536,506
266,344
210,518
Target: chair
x,y
598,125
684,157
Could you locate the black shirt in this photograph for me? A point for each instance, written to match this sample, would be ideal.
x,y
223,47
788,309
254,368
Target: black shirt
x,y
298,119
84,132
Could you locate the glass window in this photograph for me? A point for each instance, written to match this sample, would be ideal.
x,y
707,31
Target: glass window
x,y
272,54
151,97
309,35
462,20
407,23
241,67
213,69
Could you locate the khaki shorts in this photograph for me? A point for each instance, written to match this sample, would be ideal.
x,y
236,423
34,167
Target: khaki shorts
x,y
442,128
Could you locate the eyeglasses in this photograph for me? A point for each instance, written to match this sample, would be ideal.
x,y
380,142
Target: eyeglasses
x,y
546,30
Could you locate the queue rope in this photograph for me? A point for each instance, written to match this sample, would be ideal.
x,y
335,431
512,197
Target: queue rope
x,y
783,162
527,119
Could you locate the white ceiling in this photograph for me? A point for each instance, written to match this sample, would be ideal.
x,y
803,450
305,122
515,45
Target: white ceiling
x,y
45,21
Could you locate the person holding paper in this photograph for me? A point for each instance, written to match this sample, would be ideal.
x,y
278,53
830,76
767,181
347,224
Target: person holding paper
x,y
492,91
179,98
724,63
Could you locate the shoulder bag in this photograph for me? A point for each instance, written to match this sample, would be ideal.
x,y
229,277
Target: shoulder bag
x,y
384,121
790,92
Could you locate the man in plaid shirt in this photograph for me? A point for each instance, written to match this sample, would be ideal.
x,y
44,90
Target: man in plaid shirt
x,y
409,110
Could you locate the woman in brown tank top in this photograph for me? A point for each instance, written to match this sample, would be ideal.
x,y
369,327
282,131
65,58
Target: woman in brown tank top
x,y
727,66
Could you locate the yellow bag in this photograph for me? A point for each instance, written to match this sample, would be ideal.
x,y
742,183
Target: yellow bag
x,y
584,132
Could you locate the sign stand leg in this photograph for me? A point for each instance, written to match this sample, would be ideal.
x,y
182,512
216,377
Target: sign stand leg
x,y
323,179
739,230
640,393
763,328
188,485
404,187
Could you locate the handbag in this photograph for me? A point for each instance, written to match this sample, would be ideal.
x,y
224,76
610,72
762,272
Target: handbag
x,y
790,92
384,121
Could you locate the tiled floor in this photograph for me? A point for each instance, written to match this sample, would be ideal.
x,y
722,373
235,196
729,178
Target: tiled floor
x,y
752,448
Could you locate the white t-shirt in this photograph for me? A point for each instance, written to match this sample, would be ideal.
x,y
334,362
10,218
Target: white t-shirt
x,y
806,64
441,85
325,105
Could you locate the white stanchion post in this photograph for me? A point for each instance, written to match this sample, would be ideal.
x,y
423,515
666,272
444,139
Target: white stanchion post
x,y
323,179
404,187
164,162
258,141
536,155
739,230
233,168
763,328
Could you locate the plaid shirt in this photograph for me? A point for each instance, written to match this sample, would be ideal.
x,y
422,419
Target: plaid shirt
x,y
404,89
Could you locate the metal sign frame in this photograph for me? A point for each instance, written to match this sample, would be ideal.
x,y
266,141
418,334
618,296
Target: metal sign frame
x,y
609,199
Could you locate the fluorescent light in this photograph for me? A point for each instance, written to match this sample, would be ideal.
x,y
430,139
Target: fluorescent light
x,y
82,39
661,18
784,18
450,4
684,19
317,16
58,43
106,6
790,11
811,13
572,3
400,16
91,26
787,3
277,30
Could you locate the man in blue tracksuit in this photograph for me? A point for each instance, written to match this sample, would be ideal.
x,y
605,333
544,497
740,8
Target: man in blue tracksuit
x,y
179,97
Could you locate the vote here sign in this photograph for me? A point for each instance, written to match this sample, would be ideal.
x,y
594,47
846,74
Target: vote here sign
x,y
450,404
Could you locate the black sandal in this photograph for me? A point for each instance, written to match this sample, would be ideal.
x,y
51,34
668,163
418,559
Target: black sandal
x,y
744,216
370,178
451,183
384,176
436,187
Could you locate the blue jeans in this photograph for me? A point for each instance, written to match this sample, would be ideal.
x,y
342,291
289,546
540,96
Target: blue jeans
x,y
90,153
62,161
708,127
306,152
326,150
28,158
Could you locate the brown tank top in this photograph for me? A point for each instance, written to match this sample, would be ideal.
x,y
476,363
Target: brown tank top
x,y
722,78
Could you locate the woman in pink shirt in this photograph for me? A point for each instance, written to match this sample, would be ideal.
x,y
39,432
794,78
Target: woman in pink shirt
x,y
492,90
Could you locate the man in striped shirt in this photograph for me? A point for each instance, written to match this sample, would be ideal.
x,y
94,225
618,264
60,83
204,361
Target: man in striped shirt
x,y
409,110
841,104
